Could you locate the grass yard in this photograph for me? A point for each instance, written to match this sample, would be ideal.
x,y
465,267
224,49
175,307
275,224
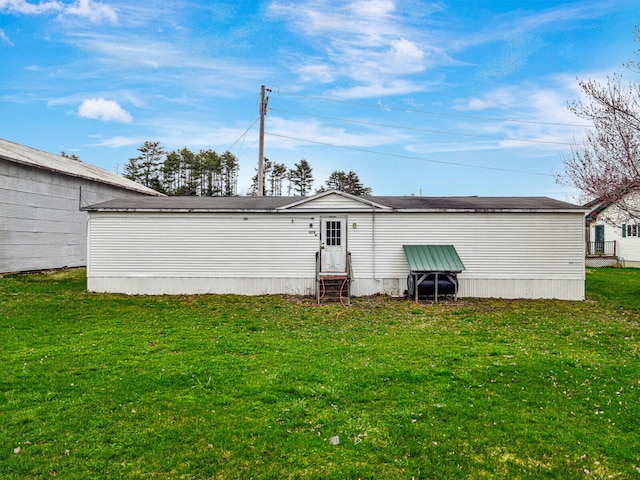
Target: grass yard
x,y
109,386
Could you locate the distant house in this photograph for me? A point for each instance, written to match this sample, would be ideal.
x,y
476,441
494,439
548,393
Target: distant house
x,y
612,235
41,224
510,247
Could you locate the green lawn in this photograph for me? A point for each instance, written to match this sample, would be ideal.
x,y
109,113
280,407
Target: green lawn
x,y
109,386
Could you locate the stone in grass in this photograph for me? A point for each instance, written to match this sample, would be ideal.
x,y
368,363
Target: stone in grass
x,y
334,440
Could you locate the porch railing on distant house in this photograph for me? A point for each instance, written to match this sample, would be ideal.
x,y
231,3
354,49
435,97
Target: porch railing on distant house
x,y
601,249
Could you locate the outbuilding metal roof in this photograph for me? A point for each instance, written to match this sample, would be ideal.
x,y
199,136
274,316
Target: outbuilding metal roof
x,y
32,157
433,258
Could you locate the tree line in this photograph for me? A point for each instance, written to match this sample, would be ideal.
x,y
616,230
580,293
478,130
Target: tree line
x,y
207,173
183,172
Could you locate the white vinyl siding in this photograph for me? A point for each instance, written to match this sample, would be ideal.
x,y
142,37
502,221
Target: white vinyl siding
x,y
528,255
511,255
202,245
491,245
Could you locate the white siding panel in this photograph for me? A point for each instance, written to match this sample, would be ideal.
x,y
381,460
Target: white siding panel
x,y
491,245
203,245
510,255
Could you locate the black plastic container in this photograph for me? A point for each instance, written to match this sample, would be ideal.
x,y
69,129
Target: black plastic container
x,y
427,287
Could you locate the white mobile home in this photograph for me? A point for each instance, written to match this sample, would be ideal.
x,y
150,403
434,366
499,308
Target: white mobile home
x,y
41,224
510,247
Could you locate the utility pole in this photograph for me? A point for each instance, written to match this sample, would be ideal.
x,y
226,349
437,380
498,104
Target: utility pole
x,y
263,111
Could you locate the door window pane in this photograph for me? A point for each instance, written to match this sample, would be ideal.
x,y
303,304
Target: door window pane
x,y
333,233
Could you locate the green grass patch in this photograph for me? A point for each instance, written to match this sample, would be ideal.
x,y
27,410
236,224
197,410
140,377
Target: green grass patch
x,y
111,386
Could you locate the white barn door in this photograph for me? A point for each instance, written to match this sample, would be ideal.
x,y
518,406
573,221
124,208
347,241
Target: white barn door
x,y
333,245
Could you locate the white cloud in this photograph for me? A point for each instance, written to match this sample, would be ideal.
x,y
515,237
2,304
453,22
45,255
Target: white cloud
x,y
522,21
4,39
105,110
21,6
285,133
133,50
126,50
529,117
499,98
405,53
546,102
361,22
372,8
512,56
316,72
119,141
96,12
361,40
374,90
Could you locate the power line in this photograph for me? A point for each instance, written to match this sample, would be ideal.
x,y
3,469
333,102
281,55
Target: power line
x,y
427,112
243,134
246,149
410,157
241,137
424,130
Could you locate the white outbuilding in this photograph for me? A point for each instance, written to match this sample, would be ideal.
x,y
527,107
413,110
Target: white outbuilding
x,y
41,224
509,247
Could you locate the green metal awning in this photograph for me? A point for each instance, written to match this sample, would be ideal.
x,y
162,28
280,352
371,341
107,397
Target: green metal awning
x,y
433,258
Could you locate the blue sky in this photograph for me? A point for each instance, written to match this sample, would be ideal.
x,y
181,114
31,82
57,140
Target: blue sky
x,y
439,98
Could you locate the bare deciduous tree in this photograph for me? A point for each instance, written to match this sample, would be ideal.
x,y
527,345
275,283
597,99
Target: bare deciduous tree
x,y
606,166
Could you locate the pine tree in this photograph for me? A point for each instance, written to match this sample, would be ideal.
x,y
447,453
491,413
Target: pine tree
x,y
230,168
276,176
301,178
346,182
146,165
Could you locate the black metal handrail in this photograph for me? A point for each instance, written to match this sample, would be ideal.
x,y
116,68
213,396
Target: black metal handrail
x,y
606,249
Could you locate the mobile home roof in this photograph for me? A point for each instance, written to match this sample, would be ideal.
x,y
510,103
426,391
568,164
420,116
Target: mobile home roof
x,y
391,203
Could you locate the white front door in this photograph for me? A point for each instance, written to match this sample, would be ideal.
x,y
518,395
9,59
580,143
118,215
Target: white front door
x,y
333,245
